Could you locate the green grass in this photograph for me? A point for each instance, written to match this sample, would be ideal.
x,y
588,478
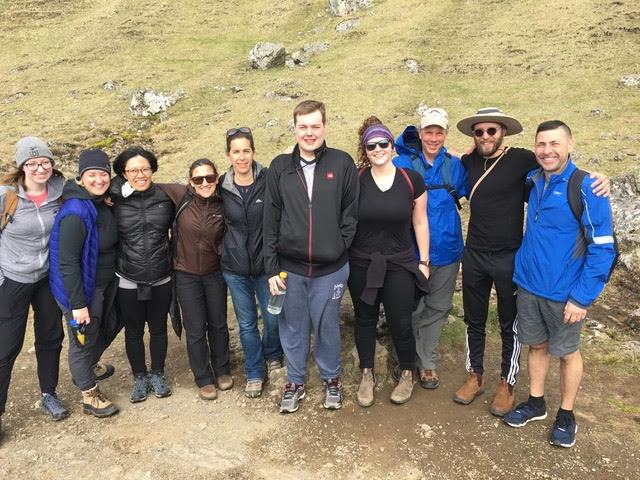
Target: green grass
x,y
631,409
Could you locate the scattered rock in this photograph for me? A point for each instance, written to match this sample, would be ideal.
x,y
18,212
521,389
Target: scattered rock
x,y
632,80
412,65
625,205
14,97
147,102
218,88
350,24
289,63
595,325
539,68
594,161
266,55
303,56
291,125
423,107
631,347
283,96
110,86
340,8
272,123
596,112
236,89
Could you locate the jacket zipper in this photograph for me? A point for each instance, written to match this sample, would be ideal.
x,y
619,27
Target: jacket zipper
x,y
304,185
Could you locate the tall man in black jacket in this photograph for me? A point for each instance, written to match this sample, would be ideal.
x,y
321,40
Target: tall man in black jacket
x,y
309,222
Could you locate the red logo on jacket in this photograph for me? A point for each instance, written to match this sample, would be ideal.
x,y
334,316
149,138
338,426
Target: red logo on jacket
x,y
329,175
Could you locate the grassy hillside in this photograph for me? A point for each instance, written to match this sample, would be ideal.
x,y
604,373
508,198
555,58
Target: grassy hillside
x,y
535,59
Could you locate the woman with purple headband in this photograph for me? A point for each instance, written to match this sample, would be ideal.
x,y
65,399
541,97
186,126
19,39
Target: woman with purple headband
x,y
383,265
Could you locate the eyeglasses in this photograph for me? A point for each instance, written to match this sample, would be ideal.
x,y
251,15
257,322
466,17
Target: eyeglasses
x,y
33,166
208,178
491,131
134,172
384,144
232,131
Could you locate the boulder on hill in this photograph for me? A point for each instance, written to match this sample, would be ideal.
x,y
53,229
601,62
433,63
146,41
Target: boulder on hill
x,y
303,56
632,80
266,55
146,102
340,8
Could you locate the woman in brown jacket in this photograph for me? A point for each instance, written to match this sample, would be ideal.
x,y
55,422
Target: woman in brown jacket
x,y
202,293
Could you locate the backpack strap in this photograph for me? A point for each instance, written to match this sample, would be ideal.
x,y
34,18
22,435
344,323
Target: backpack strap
x,y
404,174
10,206
445,172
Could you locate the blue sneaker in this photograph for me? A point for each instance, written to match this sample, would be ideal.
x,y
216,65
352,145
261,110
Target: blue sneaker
x,y
564,432
159,385
140,388
523,414
53,406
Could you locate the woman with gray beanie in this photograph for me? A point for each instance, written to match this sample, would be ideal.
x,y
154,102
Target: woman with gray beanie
x,y
83,248
24,265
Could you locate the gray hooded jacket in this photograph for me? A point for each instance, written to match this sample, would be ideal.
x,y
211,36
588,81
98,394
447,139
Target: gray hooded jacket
x,y
24,243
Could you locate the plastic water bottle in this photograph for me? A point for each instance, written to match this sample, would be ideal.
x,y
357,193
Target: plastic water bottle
x,y
276,301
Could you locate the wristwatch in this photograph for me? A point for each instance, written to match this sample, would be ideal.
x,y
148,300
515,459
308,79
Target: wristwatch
x,y
426,263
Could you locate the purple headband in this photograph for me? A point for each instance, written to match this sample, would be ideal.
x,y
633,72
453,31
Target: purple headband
x,y
379,131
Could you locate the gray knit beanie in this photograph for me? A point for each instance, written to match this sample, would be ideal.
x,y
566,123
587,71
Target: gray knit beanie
x,y
31,147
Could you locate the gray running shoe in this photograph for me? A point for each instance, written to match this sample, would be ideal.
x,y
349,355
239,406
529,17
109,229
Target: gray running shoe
x,y
140,388
333,394
53,406
158,385
292,395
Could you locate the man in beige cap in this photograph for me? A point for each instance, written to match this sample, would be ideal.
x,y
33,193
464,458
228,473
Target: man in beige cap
x,y
497,175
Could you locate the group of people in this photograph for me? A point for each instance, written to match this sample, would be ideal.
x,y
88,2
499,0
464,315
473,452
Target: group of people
x,y
103,252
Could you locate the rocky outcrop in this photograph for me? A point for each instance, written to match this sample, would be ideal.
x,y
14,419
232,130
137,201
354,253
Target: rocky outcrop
x,y
340,8
146,102
266,55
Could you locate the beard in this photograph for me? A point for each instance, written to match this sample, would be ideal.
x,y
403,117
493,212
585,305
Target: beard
x,y
488,149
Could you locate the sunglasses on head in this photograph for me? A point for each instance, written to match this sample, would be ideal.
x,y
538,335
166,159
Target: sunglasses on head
x,y
232,131
371,146
209,178
491,131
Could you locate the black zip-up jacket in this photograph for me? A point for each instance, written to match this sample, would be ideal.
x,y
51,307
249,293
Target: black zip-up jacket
x,y
310,238
144,220
242,252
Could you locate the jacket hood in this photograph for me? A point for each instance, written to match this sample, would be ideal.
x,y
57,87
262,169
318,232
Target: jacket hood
x,y
55,185
408,143
72,189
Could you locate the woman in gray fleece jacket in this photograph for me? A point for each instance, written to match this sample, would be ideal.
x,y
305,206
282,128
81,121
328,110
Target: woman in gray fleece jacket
x,y
24,266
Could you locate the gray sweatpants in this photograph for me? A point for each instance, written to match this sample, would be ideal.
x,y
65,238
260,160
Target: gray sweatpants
x,y
432,313
312,302
83,358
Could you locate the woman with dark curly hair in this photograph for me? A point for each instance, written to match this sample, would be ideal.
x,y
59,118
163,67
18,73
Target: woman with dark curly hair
x,y
144,214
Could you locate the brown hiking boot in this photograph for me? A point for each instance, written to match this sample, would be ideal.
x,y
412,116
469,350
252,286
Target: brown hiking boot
x,y
225,382
470,390
365,392
96,404
503,401
429,379
208,392
402,392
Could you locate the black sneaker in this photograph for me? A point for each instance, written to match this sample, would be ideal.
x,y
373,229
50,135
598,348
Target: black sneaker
x,y
292,395
523,414
140,388
332,394
563,433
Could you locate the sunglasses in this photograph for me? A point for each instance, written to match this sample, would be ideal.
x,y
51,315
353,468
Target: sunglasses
x,y
233,131
384,144
208,178
491,131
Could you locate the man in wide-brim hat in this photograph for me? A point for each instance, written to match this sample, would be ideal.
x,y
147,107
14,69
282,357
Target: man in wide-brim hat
x,y
497,177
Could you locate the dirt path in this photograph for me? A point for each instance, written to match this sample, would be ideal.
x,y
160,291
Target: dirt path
x,y
237,438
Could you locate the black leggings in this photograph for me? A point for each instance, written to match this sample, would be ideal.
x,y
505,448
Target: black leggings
x,y
15,298
136,314
396,295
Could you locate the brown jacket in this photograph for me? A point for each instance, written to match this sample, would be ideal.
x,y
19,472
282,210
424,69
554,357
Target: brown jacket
x,y
197,231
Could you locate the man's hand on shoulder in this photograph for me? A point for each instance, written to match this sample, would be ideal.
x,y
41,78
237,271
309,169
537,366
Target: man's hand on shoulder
x,y
601,187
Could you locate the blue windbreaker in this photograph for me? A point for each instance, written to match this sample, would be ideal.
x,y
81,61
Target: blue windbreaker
x,y
555,261
445,229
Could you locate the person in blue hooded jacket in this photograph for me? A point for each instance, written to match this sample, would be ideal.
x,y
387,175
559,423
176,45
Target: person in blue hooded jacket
x,y
560,269
446,181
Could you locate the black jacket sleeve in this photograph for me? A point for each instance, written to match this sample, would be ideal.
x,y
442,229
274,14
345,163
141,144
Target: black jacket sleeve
x,y
271,220
350,194
71,242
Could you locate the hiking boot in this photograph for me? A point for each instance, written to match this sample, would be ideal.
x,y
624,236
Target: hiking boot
x,y
333,394
274,364
94,403
429,379
225,382
402,391
503,401
365,392
470,390
53,406
208,392
292,395
158,385
563,433
253,388
103,370
396,373
523,414
140,388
